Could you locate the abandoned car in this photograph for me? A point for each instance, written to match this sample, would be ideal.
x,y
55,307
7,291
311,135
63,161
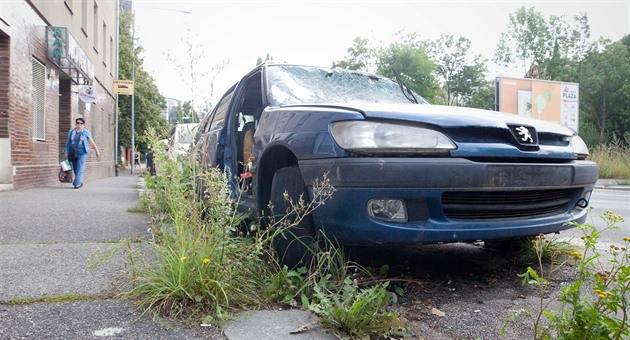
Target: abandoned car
x,y
404,171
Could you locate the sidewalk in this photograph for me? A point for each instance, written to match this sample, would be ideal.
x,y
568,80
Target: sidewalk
x,y
47,236
612,184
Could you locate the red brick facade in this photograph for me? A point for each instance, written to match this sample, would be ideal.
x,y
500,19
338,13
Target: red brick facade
x,y
35,163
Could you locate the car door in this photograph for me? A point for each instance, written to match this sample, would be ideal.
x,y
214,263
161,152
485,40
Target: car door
x,y
213,134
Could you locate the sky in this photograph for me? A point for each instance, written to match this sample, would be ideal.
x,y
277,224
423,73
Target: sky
x,y
319,32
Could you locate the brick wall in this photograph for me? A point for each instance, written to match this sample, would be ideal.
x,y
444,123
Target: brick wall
x,y
37,162
4,85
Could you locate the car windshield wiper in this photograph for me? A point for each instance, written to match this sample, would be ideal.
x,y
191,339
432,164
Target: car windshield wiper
x,y
405,89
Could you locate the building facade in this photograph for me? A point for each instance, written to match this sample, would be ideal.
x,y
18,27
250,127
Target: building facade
x,y
57,63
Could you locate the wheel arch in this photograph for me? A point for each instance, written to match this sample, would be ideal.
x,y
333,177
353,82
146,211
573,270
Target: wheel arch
x,y
274,158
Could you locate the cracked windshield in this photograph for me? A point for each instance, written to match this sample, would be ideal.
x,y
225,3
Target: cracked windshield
x,y
292,85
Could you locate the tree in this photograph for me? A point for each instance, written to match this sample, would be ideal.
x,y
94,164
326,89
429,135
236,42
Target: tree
x,y
461,76
358,57
260,60
604,79
408,59
484,97
148,101
542,47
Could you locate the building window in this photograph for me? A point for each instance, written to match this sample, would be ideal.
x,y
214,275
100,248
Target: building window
x,y
69,5
104,43
93,130
96,21
81,107
111,55
38,97
102,122
84,17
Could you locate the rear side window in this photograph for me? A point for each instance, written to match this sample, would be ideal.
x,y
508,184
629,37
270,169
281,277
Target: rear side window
x,y
218,121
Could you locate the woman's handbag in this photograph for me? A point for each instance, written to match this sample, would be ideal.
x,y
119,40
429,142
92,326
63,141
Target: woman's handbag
x,y
65,176
73,155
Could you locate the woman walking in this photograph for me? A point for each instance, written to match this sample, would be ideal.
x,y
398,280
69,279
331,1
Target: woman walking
x,y
77,150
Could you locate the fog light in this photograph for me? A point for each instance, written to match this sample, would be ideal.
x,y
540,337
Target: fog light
x,y
388,209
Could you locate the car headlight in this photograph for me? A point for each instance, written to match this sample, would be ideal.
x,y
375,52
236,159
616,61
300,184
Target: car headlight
x,y
386,138
579,147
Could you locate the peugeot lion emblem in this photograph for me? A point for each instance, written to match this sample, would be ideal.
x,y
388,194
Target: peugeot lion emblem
x,y
525,135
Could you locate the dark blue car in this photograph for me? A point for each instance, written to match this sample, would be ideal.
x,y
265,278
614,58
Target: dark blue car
x,y
404,171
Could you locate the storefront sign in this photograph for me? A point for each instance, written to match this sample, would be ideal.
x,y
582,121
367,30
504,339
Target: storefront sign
x,y
88,94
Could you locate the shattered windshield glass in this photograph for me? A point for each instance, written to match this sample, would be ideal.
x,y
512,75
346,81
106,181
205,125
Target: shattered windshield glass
x,y
291,85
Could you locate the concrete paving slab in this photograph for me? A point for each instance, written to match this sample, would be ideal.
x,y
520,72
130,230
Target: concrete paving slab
x,y
277,325
35,271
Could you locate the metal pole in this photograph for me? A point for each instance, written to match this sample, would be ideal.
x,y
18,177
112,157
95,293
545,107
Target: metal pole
x,y
116,77
133,96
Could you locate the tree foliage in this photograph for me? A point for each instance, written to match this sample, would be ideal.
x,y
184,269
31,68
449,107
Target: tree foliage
x,y
461,76
359,56
604,78
542,47
408,59
148,101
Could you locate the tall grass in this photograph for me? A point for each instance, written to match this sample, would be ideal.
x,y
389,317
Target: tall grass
x,y
613,159
199,266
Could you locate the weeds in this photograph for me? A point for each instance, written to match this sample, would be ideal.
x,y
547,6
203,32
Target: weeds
x,y
595,304
198,265
360,313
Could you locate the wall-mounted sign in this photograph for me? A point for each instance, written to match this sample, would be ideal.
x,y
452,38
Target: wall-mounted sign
x,y
88,94
124,87
64,51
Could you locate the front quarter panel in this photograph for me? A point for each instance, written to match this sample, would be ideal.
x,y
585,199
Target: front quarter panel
x,y
305,132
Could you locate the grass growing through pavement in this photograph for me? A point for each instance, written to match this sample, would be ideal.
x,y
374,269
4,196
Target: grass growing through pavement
x,y
199,267
56,299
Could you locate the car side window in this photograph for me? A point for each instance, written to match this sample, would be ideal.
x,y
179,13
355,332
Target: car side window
x,y
218,120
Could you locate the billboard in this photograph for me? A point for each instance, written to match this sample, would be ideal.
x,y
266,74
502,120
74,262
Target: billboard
x,y
552,101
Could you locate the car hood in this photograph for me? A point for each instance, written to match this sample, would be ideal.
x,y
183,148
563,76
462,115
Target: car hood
x,y
451,116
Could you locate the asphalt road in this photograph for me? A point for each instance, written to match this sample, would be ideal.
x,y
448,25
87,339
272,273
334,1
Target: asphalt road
x,y
602,200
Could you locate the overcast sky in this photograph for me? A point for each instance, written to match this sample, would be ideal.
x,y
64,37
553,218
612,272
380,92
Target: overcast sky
x,y
319,32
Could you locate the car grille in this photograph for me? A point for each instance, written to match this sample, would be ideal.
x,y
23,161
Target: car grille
x,y
491,205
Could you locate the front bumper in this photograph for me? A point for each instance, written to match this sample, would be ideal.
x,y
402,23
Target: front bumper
x,y
421,183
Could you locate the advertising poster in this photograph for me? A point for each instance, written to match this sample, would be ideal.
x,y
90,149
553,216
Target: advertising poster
x,y
524,103
540,99
570,103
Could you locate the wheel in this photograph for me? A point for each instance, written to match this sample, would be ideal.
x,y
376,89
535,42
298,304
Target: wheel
x,y
293,245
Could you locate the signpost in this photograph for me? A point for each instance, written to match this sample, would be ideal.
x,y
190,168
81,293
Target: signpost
x,y
124,87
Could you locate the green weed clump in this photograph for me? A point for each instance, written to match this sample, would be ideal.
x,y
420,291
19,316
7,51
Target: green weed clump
x,y
595,304
200,265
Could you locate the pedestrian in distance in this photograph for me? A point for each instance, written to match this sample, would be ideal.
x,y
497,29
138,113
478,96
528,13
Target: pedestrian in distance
x,y
137,158
77,150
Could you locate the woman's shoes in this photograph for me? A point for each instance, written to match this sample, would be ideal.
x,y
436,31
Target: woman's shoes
x,y
80,186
